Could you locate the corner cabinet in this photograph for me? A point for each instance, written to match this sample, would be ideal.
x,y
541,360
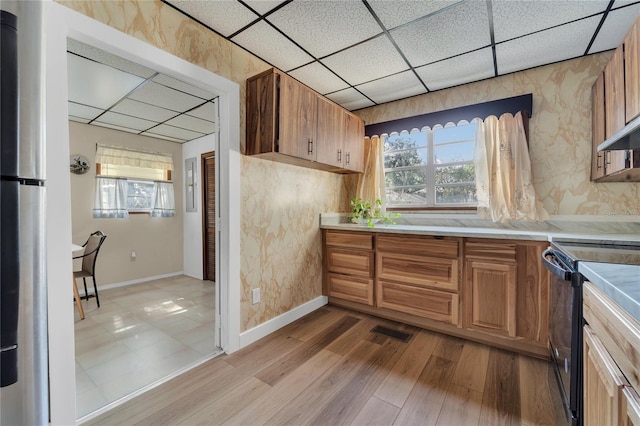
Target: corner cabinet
x,y
290,123
615,102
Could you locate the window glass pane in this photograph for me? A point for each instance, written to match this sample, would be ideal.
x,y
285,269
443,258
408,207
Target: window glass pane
x,y
453,153
454,133
405,140
405,177
464,173
139,195
407,196
456,194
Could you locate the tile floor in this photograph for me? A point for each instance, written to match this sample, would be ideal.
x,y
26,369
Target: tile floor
x,y
140,333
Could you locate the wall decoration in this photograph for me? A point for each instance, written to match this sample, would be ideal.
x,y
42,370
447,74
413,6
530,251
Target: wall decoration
x,y
79,165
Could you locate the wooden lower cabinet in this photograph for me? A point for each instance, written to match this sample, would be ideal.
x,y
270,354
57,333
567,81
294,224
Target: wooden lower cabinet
x,y
422,302
351,288
629,407
425,271
351,262
490,294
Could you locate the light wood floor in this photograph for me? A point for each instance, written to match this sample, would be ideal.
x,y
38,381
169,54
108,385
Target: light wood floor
x,y
328,368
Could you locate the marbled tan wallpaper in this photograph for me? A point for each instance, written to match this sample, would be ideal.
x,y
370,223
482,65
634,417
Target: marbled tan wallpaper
x,y
280,235
560,132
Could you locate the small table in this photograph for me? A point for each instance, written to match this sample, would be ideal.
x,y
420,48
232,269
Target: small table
x,y
76,248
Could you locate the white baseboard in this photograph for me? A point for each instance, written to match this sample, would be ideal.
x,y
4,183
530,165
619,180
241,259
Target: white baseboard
x,y
126,283
268,327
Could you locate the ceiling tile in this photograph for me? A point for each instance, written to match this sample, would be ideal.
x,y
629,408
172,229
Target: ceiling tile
x,y
192,123
461,69
350,99
165,80
263,6
125,121
114,127
556,44
83,111
394,87
106,58
394,13
143,110
78,119
273,47
97,85
174,132
615,27
307,22
206,112
319,78
162,96
367,61
168,138
224,16
456,30
516,18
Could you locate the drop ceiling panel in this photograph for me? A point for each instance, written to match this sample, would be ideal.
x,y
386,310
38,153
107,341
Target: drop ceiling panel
x,y
615,27
143,110
114,127
307,22
319,78
367,61
262,6
516,18
350,99
83,111
167,138
107,58
165,97
556,44
192,123
205,112
97,85
174,132
459,29
226,17
397,86
127,121
165,80
394,13
461,69
78,119
273,47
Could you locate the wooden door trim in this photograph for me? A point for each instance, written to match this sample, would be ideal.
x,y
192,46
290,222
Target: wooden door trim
x,y
203,197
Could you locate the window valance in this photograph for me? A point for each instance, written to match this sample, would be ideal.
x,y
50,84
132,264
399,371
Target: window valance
x,y
121,156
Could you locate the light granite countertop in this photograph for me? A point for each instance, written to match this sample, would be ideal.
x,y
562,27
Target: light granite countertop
x,y
620,282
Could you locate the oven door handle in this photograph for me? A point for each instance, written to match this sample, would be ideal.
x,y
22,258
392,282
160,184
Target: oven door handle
x,y
554,265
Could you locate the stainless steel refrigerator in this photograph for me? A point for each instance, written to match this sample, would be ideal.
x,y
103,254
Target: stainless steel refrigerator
x,y
24,396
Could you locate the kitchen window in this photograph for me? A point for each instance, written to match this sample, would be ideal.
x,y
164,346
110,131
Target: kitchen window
x,y
431,168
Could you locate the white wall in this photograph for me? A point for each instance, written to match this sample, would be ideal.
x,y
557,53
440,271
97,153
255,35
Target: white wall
x,y
192,263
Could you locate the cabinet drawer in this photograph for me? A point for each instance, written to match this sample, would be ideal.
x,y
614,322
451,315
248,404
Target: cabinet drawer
x,y
359,240
418,270
417,245
422,302
351,288
495,250
351,262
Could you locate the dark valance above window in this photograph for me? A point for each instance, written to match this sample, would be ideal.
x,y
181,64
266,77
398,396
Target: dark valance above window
x,y
498,107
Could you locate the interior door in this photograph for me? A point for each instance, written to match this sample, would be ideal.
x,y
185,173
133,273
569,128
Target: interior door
x,y
209,215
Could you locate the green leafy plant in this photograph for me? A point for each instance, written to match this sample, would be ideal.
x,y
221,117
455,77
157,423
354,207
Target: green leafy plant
x,y
370,212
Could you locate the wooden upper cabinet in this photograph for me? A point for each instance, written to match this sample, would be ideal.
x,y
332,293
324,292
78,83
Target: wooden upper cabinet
x,y
353,143
632,72
597,128
289,122
614,93
330,133
629,407
297,119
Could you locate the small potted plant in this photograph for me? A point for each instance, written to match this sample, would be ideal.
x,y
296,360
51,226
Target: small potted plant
x,y
369,213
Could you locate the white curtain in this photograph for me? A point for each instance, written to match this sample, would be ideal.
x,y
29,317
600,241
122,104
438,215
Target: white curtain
x,y
503,172
371,184
121,156
163,200
111,198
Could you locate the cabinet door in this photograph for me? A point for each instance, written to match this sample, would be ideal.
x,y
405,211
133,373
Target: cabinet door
x,y
632,72
353,143
351,262
630,407
614,108
418,270
603,383
355,289
597,128
297,121
262,113
330,133
422,302
490,297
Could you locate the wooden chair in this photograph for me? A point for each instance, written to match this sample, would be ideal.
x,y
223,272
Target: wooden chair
x,y
89,257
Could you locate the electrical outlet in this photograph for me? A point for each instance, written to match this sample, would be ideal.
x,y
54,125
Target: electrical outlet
x,y
133,255
255,296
